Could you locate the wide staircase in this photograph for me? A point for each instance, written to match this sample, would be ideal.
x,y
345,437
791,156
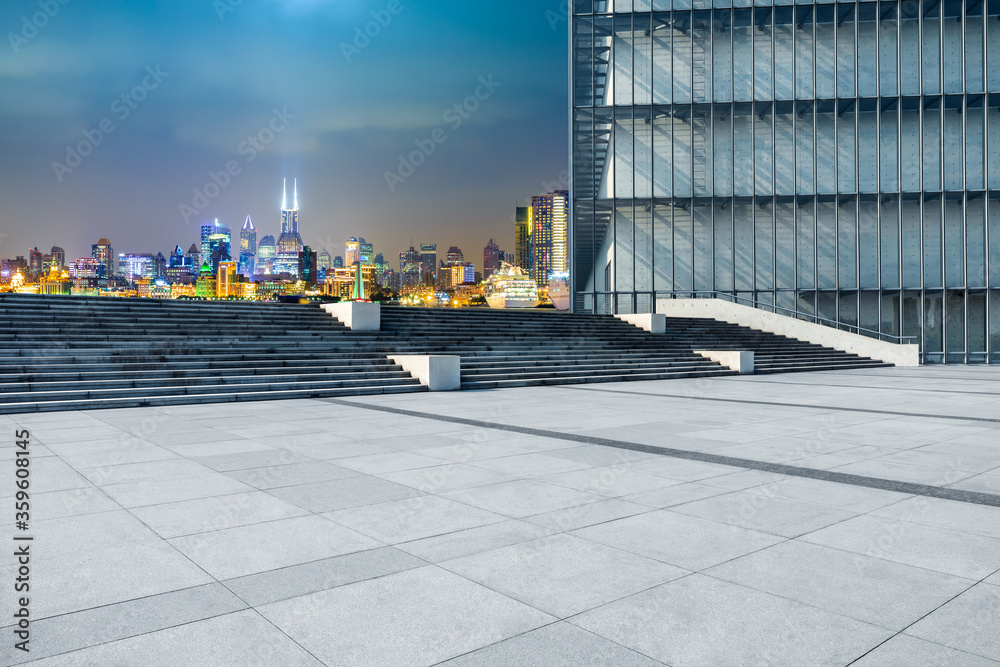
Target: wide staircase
x,y
525,348
71,353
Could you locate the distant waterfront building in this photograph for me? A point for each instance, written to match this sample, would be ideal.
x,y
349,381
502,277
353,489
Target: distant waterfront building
x,y
491,259
454,256
324,261
307,267
193,258
409,267
266,252
289,243
104,254
522,238
351,252
428,263
248,248
132,267
366,253
548,235
58,256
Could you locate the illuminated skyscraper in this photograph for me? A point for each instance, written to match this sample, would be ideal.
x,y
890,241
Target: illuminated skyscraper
x,y
266,252
522,238
366,252
351,252
324,261
289,243
248,248
491,259
548,235
104,254
428,263
409,267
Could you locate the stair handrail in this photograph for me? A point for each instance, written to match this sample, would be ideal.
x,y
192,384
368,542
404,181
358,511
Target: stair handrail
x,y
798,313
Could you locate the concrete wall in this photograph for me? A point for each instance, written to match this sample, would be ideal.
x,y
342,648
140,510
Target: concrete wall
x,y
653,323
755,318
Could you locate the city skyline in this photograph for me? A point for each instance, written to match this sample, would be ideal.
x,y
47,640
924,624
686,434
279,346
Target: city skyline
x,y
198,111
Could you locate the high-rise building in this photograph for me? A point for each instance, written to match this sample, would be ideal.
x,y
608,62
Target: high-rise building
x,y
491,259
58,256
225,276
366,252
193,259
522,237
454,256
104,254
428,263
351,252
132,267
248,248
338,262
307,267
409,267
289,244
266,252
323,260
548,235
832,159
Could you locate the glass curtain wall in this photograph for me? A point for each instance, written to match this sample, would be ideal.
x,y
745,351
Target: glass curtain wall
x,y
838,159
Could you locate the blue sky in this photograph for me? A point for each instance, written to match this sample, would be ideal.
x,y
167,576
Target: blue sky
x,y
183,85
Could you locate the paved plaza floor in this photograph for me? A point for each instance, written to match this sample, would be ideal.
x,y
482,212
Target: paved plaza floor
x,y
839,518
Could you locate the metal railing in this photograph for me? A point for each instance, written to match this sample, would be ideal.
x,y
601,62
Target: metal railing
x,y
798,314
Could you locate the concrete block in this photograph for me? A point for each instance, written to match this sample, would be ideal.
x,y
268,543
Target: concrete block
x,y
357,315
435,371
651,322
737,360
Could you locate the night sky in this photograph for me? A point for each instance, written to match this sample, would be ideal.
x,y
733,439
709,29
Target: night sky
x,y
183,85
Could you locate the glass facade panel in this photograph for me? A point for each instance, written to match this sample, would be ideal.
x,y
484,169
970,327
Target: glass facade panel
x,y
841,158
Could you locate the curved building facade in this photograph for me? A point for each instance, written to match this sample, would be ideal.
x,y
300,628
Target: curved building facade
x,y
837,159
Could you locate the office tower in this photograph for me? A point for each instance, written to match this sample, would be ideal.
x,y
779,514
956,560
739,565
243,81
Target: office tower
x,y
177,258
351,252
454,256
104,254
428,263
132,267
548,235
832,159
522,237
35,262
206,231
323,260
289,244
410,267
58,256
338,262
366,253
248,248
225,276
491,259
307,265
266,252
193,258
159,265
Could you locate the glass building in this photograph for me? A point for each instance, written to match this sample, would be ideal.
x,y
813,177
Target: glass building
x,y
834,159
